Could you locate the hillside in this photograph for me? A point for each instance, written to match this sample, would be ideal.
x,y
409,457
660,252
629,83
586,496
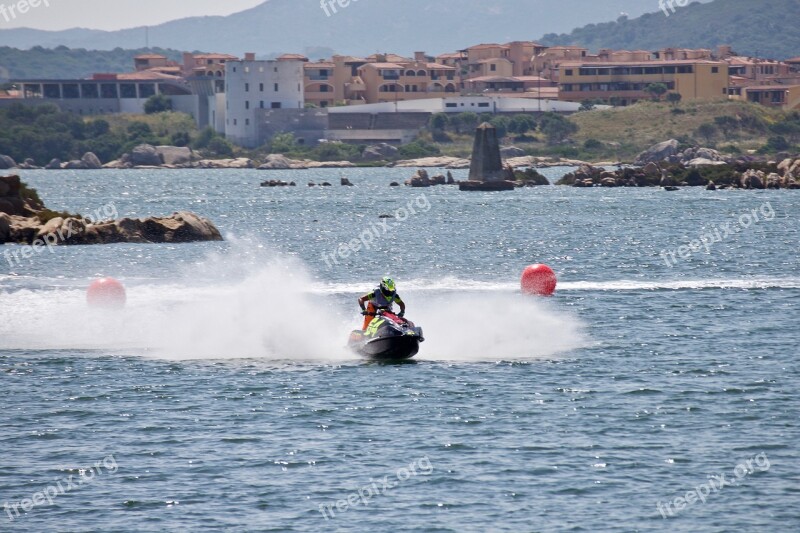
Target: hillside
x,y
63,62
297,25
767,28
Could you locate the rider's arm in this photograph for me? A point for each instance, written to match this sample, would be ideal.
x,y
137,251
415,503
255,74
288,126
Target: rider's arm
x,y
402,305
364,299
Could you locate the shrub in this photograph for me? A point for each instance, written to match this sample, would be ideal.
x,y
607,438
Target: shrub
x,y
158,103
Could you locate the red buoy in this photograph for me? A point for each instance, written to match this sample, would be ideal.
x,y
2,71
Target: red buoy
x,y
106,293
539,280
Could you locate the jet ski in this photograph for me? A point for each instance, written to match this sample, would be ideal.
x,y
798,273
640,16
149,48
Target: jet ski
x,y
388,338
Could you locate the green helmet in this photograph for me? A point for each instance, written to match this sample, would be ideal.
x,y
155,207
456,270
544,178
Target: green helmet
x,y
387,286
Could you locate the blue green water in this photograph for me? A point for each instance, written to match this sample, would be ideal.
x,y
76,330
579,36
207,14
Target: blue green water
x,y
222,398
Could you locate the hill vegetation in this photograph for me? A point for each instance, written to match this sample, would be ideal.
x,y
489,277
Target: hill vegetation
x,y
43,133
66,63
766,28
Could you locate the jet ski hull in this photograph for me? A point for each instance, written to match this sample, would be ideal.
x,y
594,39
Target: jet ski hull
x,y
388,338
398,348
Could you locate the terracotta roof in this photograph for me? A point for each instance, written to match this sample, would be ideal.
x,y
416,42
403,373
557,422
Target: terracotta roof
x,y
493,59
793,60
770,87
454,55
487,46
389,58
286,57
639,63
146,75
214,56
495,79
383,65
150,56
438,66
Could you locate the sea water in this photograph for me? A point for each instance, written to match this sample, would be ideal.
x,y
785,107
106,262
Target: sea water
x,y
222,397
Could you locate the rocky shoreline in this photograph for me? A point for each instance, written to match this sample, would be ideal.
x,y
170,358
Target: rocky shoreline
x,y
148,157
25,220
666,164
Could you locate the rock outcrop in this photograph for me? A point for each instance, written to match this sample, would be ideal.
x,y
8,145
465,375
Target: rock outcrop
x,y
379,152
7,162
434,162
237,163
658,153
145,155
276,162
175,155
91,161
23,221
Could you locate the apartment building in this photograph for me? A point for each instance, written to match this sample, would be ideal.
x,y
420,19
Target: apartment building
x,y
407,80
252,85
334,82
626,83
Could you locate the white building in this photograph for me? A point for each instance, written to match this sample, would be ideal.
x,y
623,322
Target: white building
x,y
252,85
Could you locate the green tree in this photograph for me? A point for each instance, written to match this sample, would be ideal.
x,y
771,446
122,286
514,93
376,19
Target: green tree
x,y
439,121
557,128
587,105
501,124
674,99
282,143
158,103
180,138
205,136
469,120
220,147
522,124
708,131
656,90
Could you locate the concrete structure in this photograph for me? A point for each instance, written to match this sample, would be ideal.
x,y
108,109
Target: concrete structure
x,y
107,93
400,122
486,172
252,85
786,97
627,82
486,165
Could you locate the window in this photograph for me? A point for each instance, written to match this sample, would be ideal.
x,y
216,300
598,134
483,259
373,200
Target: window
x,y
127,90
483,104
247,104
568,72
247,122
261,87
493,67
247,87
247,70
324,88
89,90
261,105
235,122
714,70
108,90
70,90
276,105
276,87
234,68
146,90
451,105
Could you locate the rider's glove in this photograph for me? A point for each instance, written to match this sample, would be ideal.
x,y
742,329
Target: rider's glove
x,y
365,313
401,314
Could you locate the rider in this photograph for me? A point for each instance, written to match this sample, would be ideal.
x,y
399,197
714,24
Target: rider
x,y
381,298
